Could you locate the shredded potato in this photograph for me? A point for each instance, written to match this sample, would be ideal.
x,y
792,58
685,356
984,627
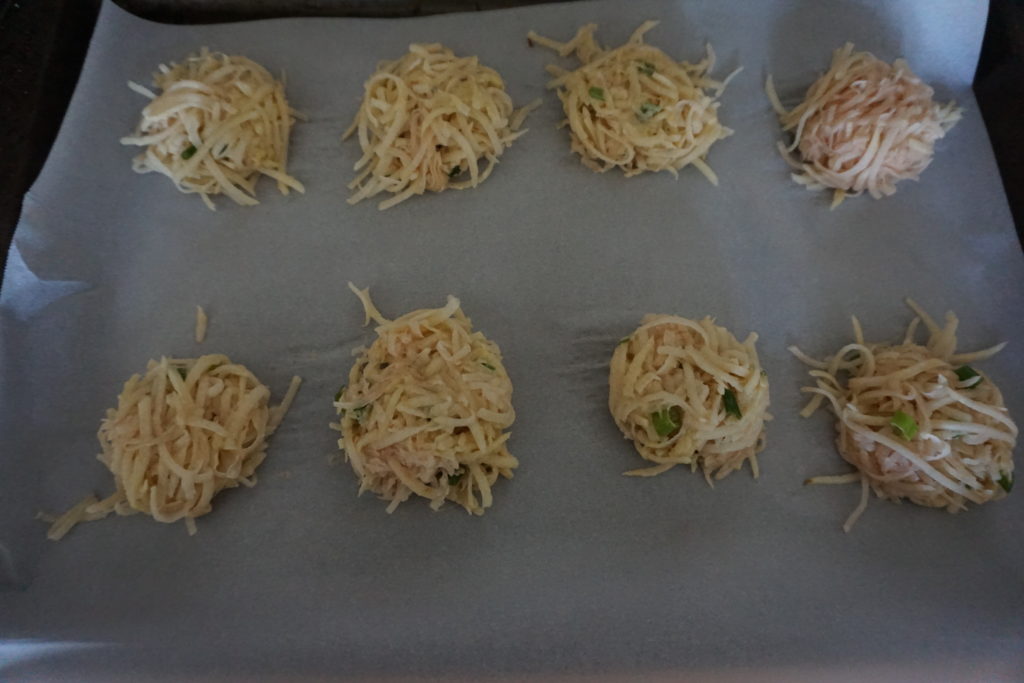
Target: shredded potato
x,y
688,393
180,434
863,126
915,421
219,123
425,410
634,107
202,321
426,122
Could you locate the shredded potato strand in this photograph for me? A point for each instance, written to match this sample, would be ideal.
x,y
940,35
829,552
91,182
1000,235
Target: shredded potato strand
x,y
425,410
964,442
180,434
863,126
426,122
219,122
202,321
634,107
683,368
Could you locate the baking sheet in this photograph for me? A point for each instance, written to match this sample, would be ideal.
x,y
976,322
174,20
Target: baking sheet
x,y
575,568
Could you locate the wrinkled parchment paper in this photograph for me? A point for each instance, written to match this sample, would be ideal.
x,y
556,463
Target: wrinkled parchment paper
x,y
576,568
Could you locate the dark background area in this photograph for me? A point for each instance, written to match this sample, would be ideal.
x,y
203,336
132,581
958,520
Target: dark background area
x,y
43,43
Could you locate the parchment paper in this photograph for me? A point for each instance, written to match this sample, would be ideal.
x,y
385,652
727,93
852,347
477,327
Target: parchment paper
x,y
575,568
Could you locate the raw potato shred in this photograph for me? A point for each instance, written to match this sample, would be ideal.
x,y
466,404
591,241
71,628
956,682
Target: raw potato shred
x,y
863,126
180,434
915,420
425,410
427,121
202,321
686,392
636,108
219,123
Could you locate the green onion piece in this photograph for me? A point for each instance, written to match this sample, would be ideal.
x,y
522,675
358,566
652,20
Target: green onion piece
x,y
454,478
183,372
764,373
667,421
597,93
647,110
488,366
337,396
731,406
188,153
966,372
904,425
623,340
361,412
1006,481
455,171
646,68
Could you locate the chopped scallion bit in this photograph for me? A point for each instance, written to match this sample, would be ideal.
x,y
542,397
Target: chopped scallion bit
x,y
667,421
730,404
488,366
904,425
646,68
624,340
597,93
1006,481
966,372
647,110
337,396
455,171
188,153
361,412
